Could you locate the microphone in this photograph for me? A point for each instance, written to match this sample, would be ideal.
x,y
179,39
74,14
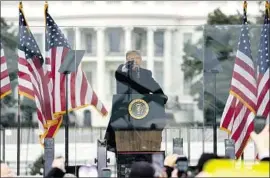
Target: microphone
x,y
127,66
130,66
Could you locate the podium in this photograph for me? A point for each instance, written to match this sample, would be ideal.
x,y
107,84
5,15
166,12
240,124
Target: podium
x,y
138,141
137,121
135,128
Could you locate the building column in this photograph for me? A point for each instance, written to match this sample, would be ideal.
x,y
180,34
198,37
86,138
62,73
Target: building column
x,y
128,38
180,42
167,64
78,38
100,62
150,49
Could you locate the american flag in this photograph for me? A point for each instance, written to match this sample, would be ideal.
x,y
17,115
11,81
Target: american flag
x,y
240,108
263,102
80,93
5,88
32,79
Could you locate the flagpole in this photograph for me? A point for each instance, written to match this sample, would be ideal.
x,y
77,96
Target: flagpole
x,y
49,145
18,138
214,72
66,124
267,7
19,124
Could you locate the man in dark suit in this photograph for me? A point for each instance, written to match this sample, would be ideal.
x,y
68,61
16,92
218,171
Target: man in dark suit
x,y
132,79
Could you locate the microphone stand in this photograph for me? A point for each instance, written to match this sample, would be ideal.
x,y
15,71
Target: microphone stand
x,y
129,67
129,73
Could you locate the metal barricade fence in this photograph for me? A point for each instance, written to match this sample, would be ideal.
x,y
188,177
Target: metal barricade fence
x,y
83,148
87,135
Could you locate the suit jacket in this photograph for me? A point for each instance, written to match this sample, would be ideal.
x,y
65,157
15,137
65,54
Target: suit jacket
x,y
129,82
137,82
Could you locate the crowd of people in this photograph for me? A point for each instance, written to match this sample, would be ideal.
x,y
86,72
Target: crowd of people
x,y
147,170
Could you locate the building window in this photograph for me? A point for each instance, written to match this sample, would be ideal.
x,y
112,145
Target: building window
x,y
159,77
159,43
89,42
88,75
71,37
112,82
187,37
115,41
39,39
139,36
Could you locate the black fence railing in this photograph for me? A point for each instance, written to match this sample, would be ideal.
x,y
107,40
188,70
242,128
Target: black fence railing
x,y
89,135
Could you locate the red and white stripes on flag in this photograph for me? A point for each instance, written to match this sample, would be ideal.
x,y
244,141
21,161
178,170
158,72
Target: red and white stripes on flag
x,y
80,93
5,86
33,81
31,75
240,109
241,106
263,78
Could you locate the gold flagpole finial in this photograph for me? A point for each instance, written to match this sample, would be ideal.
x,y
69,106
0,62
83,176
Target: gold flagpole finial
x,y
20,5
46,5
245,5
21,8
45,10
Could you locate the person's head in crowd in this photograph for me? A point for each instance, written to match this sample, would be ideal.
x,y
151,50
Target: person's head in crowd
x,y
5,171
142,169
205,157
182,166
88,171
169,164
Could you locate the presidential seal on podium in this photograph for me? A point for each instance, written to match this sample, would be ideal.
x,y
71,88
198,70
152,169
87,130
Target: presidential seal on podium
x,y
138,108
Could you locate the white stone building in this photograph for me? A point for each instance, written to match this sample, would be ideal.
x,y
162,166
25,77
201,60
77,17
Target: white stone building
x,y
107,29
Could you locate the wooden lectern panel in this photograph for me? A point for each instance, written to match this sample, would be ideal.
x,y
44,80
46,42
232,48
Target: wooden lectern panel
x,y
138,140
